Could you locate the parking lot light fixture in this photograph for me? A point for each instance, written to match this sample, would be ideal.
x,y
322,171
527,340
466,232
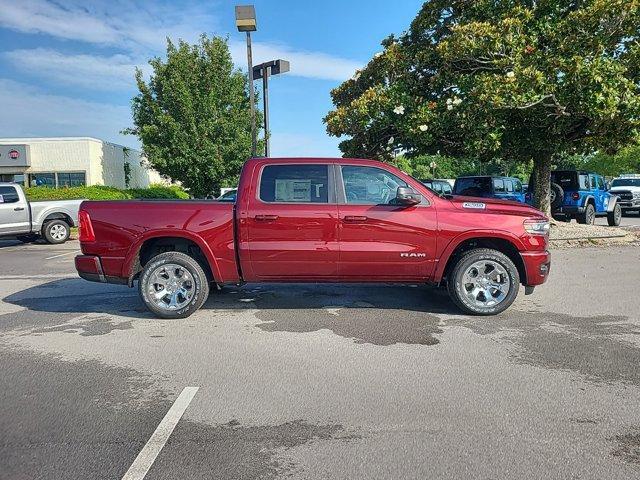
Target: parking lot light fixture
x,y
246,22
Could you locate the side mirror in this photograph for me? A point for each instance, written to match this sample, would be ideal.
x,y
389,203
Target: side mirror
x,y
406,196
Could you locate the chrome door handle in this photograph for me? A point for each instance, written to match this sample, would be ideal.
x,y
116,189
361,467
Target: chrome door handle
x,y
355,218
266,218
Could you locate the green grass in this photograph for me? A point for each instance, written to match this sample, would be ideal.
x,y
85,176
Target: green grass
x,y
99,192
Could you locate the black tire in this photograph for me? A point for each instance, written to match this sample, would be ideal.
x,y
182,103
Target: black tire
x,y
615,217
27,238
200,284
457,290
557,195
588,217
56,231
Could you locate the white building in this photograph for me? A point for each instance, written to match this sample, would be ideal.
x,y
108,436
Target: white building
x,y
72,161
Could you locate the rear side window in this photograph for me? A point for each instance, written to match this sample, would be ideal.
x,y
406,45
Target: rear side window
x,y
295,184
446,189
8,195
498,185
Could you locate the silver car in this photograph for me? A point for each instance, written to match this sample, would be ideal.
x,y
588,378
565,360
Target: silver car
x,y
51,220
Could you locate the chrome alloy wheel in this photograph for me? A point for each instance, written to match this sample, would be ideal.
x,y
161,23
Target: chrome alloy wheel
x,y
171,286
486,283
58,232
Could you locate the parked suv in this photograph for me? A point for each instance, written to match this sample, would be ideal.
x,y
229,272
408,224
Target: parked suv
x,y
505,188
584,196
627,189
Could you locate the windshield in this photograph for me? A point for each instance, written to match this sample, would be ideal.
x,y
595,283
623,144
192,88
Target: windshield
x,y
626,182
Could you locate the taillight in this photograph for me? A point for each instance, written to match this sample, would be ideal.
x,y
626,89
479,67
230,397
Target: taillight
x,y
85,228
575,196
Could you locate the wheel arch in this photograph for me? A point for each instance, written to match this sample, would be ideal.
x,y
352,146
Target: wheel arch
x,y
499,241
153,243
59,215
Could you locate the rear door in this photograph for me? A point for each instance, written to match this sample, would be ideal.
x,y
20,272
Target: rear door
x,y
380,241
14,214
291,223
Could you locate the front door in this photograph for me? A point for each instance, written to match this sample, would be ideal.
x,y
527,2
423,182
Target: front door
x,y
380,241
292,224
14,215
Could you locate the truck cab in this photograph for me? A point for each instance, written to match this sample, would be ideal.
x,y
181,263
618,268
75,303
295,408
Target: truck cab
x,y
627,189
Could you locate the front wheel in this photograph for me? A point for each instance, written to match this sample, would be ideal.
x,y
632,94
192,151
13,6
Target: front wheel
x,y
615,217
56,231
483,281
173,285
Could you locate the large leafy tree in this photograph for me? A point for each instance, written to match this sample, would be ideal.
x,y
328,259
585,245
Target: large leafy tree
x,y
192,117
486,79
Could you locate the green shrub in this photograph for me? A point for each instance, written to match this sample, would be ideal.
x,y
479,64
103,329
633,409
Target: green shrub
x,y
100,192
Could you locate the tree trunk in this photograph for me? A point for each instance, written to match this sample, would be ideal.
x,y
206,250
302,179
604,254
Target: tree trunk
x,y
541,177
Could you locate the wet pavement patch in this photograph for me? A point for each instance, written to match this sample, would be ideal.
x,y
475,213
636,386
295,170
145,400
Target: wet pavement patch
x,y
628,448
95,326
64,419
233,451
589,346
355,312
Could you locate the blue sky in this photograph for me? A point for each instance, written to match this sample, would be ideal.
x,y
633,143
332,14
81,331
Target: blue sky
x,y
66,66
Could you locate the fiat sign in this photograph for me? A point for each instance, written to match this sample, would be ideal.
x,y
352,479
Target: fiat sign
x,y
14,156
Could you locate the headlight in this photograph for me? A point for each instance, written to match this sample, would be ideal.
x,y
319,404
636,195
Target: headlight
x,y
537,226
636,194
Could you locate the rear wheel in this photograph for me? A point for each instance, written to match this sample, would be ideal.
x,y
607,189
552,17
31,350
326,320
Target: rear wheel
x,y
615,217
588,217
56,231
483,282
173,285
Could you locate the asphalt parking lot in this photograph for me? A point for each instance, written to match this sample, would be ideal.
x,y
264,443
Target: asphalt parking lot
x,y
320,381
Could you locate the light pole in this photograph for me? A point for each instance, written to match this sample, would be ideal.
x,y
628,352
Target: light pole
x,y
246,22
274,67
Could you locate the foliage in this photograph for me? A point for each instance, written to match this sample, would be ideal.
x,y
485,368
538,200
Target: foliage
x,y
100,192
626,160
518,81
192,117
126,166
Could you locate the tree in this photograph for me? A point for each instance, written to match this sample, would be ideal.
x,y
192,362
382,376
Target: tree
x,y
192,117
486,79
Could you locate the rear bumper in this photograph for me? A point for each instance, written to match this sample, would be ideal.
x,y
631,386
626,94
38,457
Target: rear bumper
x,y
89,267
569,210
537,266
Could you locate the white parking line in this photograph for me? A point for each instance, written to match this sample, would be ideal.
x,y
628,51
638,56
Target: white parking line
x,y
150,451
61,255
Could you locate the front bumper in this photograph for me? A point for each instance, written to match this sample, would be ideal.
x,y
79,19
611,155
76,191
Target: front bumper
x,y
630,204
537,266
89,267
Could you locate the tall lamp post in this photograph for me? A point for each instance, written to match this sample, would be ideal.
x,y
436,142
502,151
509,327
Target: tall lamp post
x,y
274,67
246,22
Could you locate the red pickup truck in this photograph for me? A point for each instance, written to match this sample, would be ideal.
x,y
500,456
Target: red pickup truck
x,y
316,220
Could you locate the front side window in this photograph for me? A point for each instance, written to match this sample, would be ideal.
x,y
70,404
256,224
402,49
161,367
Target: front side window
x,y
509,185
517,186
498,185
295,184
8,195
370,185
446,188
601,183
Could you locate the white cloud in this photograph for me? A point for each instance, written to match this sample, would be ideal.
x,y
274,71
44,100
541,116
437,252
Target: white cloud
x,y
303,64
141,32
28,112
115,72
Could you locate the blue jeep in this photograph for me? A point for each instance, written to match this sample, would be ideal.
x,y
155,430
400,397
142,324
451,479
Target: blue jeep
x,y
584,196
505,188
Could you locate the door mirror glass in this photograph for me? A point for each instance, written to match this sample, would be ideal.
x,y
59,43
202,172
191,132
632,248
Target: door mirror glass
x,y
407,196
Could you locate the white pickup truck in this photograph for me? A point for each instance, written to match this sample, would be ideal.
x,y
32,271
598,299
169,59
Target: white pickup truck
x,y
27,221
